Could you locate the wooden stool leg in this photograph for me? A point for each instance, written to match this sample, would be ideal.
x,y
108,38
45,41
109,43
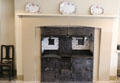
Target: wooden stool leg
x,y
12,70
10,73
1,72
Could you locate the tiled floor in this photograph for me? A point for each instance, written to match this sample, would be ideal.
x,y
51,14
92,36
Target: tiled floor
x,y
58,82
14,81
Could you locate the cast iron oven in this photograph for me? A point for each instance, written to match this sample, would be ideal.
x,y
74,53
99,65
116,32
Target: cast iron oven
x,y
63,63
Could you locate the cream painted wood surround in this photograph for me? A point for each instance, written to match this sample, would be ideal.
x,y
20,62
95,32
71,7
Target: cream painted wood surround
x,y
28,43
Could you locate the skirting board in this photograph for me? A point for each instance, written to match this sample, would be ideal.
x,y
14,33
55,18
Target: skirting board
x,y
113,78
118,71
20,77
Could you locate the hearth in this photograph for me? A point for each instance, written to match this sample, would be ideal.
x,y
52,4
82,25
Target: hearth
x,y
67,54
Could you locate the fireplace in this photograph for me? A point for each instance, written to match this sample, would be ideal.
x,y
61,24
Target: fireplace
x,y
67,54
28,43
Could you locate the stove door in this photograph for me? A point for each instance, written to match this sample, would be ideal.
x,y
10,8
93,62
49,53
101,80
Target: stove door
x,y
65,45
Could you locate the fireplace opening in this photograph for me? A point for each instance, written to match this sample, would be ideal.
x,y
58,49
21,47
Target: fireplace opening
x,y
67,54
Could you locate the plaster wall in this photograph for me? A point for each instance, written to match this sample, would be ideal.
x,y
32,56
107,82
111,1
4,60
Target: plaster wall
x,y
52,6
7,22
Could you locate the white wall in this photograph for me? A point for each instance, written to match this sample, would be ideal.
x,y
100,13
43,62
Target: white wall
x,y
52,6
7,22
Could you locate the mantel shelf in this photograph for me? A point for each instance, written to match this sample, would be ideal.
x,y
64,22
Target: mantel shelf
x,y
73,15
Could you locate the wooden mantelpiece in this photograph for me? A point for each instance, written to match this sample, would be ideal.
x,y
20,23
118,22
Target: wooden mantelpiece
x,y
73,15
28,42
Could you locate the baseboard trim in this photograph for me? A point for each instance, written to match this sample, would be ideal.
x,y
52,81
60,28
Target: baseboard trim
x,y
118,71
20,77
113,78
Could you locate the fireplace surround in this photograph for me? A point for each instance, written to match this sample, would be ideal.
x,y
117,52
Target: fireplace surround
x,y
28,43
